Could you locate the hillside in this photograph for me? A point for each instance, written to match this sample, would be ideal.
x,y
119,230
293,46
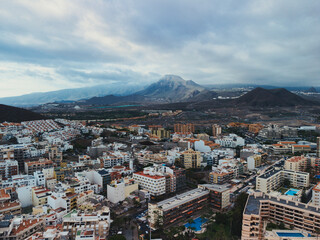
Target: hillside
x,y
111,99
14,114
74,94
279,97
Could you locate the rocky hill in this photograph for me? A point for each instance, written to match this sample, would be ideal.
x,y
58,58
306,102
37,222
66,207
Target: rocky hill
x,y
260,97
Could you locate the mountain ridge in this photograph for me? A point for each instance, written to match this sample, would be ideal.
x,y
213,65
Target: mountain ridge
x,y
168,89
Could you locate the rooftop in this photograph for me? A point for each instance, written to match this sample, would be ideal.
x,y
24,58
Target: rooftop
x,y
182,198
216,187
253,204
149,176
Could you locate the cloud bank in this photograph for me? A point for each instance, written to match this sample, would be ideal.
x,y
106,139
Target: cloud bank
x,y
58,44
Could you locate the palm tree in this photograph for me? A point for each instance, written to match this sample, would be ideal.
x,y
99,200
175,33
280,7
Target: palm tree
x,y
317,232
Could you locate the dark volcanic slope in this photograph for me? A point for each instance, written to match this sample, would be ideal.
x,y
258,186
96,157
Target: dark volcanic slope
x,y
280,97
111,99
14,114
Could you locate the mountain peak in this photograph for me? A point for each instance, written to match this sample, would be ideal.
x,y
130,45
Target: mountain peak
x,y
172,88
171,77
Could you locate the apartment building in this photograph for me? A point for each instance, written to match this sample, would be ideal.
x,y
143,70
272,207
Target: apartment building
x,y
232,141
8,169
34,166
153,182
62,199
76,222
191,159
216,130
316,195
161,133
19,180
178,208
219,195
220,177
10,207
184,128
262,208
273,179
296,163
120,190
40,196
114,158
254,162
20,228
300,148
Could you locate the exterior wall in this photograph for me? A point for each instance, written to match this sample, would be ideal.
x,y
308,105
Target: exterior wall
x,y
155,185
130,188
297,179
191,159
25,195
116,192
293,214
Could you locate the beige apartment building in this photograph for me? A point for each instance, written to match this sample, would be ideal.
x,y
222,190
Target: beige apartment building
x,y
262,208
191,159
296,163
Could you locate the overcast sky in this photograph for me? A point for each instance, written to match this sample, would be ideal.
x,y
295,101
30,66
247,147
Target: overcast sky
x,y
49,45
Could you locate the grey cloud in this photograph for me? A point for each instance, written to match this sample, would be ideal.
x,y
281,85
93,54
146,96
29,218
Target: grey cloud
x,y
262,42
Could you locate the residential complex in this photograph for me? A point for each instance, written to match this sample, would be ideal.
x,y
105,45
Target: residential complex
x,y
262,208
273,179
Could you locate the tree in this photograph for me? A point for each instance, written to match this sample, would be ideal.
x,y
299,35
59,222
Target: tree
x,y
117,237
304,197
286,182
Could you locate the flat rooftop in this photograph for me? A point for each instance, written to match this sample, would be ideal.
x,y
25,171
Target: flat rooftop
x,y
216,187
253,204
182,198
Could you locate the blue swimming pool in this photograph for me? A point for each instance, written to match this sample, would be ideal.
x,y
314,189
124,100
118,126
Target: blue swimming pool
x,y
292,192
197,224
289,234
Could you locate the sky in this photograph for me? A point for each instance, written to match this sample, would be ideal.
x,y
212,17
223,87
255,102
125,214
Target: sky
x,y
59,44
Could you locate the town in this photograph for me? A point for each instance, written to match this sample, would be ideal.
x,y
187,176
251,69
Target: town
x,y
69,179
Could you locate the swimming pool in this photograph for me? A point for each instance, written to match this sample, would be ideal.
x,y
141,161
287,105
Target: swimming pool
x,y
197,224
289,234
292,192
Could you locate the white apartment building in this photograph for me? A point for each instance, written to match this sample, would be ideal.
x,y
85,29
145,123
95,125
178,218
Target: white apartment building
x,y
114,158
40,178
19,180
253,162
272,180
99,222
153,182
119,190
232,140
